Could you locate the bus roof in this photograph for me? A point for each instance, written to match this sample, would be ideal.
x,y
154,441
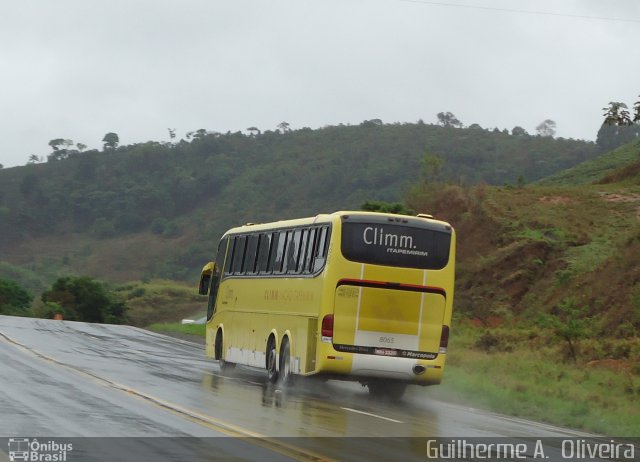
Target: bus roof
x,y
329,218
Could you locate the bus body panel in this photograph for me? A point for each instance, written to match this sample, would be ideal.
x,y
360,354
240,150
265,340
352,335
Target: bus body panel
x,y
388,318
257,307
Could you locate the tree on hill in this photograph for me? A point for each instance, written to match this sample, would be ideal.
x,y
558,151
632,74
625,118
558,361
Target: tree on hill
x,y
618,127
14,300
617,114
85,299
570,323
60,149
447,119
518,131
546,128
284,127
110,140
33,159
56,143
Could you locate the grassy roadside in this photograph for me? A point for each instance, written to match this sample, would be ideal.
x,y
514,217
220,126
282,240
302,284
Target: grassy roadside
x,y
178,328
524,373
160,301
191,332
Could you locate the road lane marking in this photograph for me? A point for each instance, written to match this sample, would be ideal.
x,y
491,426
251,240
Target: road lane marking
x,y
213,423
371,415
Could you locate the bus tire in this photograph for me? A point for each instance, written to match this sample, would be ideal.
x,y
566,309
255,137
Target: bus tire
x,y
272,361
286,376
225,366
387,389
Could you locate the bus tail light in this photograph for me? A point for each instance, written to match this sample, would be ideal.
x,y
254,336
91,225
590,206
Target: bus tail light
x,y
444,339
327,328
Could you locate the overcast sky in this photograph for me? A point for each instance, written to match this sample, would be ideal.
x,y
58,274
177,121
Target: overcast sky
x,y
78,69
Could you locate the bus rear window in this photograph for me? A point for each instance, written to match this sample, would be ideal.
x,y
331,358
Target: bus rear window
x,y
395,245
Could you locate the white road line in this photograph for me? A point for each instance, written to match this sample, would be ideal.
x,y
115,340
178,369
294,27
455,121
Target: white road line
x,y
371,415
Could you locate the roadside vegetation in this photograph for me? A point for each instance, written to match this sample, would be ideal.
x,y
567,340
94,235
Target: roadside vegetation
x,y
527,371
138,303
547,305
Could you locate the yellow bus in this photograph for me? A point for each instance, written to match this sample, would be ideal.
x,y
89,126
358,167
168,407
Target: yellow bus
x,y
357,296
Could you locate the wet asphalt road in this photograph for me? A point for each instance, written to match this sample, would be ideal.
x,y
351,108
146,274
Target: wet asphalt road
x,y
70,379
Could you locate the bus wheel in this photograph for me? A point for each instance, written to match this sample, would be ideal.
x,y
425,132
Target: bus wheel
x,y
286,377
272,361
225,366
387,389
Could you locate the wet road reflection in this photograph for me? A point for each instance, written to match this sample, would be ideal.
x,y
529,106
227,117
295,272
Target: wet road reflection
x,y
102,380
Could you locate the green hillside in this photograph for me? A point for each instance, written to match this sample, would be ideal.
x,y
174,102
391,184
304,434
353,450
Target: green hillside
x,y
535,249
595,169
547,302
156,210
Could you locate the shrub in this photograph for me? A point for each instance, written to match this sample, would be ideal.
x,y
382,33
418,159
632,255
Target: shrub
x,y
85,299
14,300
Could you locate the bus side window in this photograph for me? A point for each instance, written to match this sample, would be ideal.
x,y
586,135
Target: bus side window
x,y
216,277
249,262
303,251
293,251
321,249
277,249
230,252
238,254
264,251
278,264
308,259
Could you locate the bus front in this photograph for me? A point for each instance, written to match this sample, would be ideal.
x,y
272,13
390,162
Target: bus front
x,y
392,279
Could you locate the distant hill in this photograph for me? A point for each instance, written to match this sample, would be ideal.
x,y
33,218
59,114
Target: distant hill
x,y
157,210
596,169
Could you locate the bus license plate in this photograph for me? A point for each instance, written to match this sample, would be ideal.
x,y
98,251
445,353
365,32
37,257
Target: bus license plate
x,y
385,352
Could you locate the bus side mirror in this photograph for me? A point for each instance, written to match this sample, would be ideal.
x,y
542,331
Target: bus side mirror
x,y
205,278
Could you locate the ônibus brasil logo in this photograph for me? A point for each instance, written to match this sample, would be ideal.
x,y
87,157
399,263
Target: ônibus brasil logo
x,y
32,450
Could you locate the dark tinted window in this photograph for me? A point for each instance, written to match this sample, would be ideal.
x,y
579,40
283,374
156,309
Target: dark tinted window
x,y
308,258
238,254
277,253
293,250
264,249
229,260
395,245
222,249
320,253
249,264
303,250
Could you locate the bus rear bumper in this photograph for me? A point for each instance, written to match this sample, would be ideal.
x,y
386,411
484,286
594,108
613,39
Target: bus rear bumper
x,y
360,367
